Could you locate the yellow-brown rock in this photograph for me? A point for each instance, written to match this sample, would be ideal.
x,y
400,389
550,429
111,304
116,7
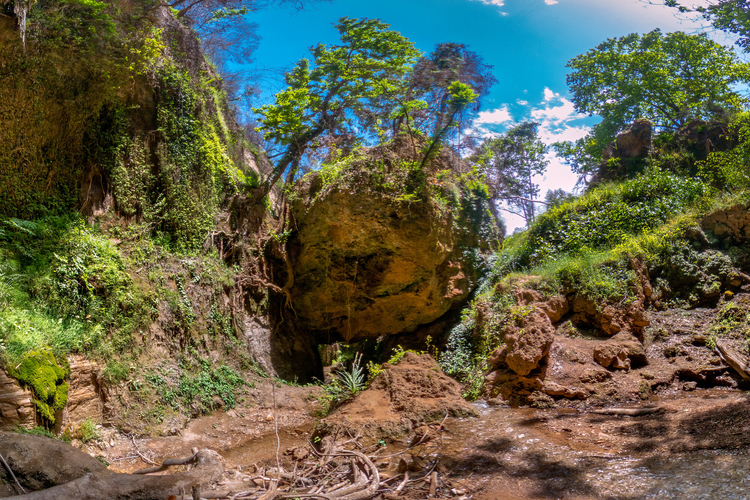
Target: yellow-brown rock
x,y
15,403
377,252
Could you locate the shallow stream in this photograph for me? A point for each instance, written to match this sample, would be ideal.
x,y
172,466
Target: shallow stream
x,y
526,453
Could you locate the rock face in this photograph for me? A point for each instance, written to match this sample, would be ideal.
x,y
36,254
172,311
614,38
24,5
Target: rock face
x,y
16,407
383,248
731,224
528,343
84,399
636,141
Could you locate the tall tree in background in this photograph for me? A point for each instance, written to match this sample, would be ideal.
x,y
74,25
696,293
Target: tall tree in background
x,y
343,83
509,163
668,79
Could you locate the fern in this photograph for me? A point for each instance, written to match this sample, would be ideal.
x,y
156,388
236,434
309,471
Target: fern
x,y
24,226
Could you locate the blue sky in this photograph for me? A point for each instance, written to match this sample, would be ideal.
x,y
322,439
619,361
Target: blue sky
x,y
527,41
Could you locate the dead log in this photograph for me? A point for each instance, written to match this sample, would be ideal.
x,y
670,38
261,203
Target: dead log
x,y
734,359
57,470
111,486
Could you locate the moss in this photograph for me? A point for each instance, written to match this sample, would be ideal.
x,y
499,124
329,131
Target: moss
x,y
42,373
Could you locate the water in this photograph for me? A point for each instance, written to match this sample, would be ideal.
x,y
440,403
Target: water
x,y
570,454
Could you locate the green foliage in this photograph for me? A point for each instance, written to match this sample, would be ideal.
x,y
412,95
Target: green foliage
x,y
343,83
54,96
730,169
41,431
667,79
606,216
41,372
355,380
732,321
509,163
65,289
198,390
88,431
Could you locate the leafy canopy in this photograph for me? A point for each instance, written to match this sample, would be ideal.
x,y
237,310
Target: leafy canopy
x,y
732,16
341,83
667,79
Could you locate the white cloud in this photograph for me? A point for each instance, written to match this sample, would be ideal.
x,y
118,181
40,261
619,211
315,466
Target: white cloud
x,y
496,3
498,116
522,103
554,119
487,123
550,2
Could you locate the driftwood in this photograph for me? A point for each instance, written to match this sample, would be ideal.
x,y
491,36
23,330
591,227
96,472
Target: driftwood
x,y
734,359
629,412
111,486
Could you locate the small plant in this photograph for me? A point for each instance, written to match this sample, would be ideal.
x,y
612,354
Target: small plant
x,y
353,381
88,431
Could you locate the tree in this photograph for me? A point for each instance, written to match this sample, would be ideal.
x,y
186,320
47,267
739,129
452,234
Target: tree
x,y
434,73
330,94
556,197
667,79
460,96
509,163
425,107
732,16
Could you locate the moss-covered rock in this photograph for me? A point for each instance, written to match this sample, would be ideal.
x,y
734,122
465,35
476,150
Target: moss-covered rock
x,y
42,373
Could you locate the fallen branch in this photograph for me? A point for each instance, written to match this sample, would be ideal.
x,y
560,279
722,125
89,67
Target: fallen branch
x,y
20,488
166,464
734,359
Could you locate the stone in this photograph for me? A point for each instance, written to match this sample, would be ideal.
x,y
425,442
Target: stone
x,y
530,343
636,141
555,308
16,408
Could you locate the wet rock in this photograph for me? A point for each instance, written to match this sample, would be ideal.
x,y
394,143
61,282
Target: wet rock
x,y
621,355
539,399
612,356
555,389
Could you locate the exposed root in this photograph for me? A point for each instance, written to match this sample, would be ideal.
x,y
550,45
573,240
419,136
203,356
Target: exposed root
x,y
344,474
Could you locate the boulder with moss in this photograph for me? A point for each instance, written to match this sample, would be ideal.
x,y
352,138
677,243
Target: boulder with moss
x,y
44,375
379,246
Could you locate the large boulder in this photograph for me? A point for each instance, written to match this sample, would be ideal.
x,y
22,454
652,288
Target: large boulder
x,y
382,247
